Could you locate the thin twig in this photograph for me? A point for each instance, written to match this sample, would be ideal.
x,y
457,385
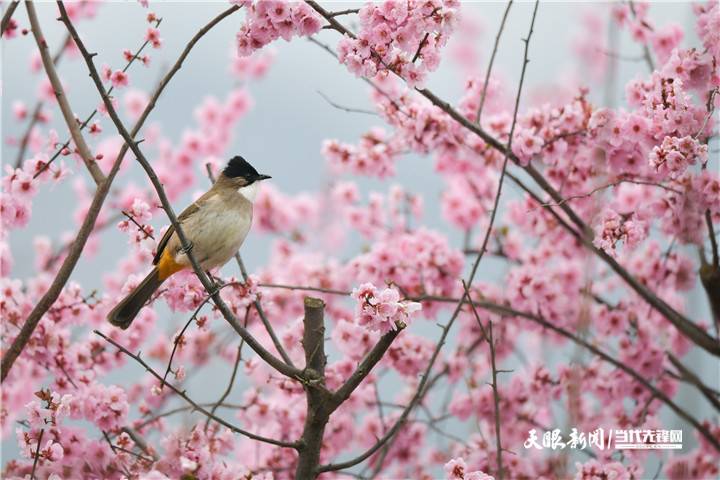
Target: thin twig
x,y
488,334
344,108
186,408
67,112
37,454
508,149
344,12
303,288
646,50
227,391
87,120
608,185
140,227
8,16
196,406
140,442
179,336
492,61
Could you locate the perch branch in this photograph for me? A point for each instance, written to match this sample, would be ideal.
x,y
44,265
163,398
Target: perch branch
x,y
268,357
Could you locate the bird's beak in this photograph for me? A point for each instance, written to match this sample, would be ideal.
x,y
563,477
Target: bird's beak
x,y
263,177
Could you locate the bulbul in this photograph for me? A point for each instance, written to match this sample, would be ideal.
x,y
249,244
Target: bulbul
x,y
216,225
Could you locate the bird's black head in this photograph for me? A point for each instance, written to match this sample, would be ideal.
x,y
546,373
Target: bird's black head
x,y
238,167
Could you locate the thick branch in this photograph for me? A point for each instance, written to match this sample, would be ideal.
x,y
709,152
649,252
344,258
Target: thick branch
x,y
419,394
70,120
366,366
318,406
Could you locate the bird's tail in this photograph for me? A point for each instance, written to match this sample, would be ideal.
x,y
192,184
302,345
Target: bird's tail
x,y
124,312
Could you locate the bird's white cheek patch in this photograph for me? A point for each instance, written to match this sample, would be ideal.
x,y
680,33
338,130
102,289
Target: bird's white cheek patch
x,y
250,191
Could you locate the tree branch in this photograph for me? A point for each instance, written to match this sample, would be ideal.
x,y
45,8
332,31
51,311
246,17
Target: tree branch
x,y
318,405
35,116
492,61
419,394
87,120
366,366
70,120
271,359
63,273
76,248
196,406
8,16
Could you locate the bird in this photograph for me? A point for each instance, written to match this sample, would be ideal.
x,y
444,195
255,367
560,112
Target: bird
x,y
215,224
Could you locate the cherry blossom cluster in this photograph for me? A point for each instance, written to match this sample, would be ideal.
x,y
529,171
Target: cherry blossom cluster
x,y
675,155
375,155
614,227
418,263
635,18
382,310
456,469
268,20
400,37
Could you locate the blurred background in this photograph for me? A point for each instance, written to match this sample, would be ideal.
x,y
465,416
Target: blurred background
x,y
283,133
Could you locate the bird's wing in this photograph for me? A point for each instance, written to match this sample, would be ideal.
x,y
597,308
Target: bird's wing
x,y
190,210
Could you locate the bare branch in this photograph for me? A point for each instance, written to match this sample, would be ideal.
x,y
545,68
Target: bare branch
x,y
35,116
78,139
37,454
492,61
87,120
366,366
488,334
344,12
318,405
508,149
646,50
8,16
140,227
344,108
608,185
688,376
195,405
